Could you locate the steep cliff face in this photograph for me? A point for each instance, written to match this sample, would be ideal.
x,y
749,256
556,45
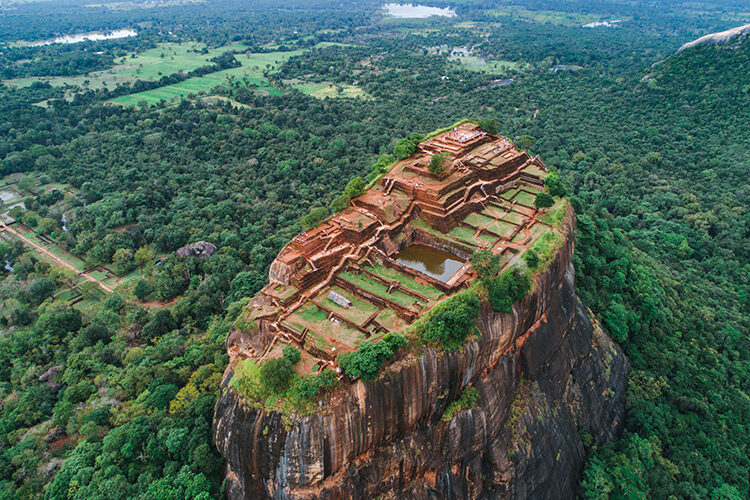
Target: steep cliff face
x,y
547,376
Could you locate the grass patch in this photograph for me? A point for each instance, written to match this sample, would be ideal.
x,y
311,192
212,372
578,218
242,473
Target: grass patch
x,y
502,228
543,16
378,289
325,89
468,400
491,67
463,233
250,73
524,198
358,313
407,281
477,220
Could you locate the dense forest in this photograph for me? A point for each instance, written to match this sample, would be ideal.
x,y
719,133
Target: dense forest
x,y
113,398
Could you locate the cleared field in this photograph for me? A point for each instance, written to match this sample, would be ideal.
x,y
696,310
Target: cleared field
x,y
151,64
509,194
325,89
250,73
513,217
493,67
543,16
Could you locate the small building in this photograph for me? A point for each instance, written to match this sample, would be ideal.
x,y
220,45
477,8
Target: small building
x,y
339,299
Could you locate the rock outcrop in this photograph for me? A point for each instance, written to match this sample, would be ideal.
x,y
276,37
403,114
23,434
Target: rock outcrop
x,y
717,38
198,249
548,378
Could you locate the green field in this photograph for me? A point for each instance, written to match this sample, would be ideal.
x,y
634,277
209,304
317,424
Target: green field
x,y
151,64
326,89
498,68
250,73
543,16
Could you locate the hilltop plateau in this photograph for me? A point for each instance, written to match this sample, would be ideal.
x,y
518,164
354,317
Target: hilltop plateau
x,y
437,343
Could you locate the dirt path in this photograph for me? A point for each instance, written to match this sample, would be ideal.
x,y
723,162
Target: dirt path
x,y
54,257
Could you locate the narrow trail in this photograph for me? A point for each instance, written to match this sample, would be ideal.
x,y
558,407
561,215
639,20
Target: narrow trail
x,y
54,257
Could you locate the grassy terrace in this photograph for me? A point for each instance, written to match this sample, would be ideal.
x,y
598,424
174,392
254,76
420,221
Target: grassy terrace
x,y
379,289
525,198
360,311
407,281
478,220
501,228
316,320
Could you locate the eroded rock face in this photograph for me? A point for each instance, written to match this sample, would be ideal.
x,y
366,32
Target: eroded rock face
x,y
546,376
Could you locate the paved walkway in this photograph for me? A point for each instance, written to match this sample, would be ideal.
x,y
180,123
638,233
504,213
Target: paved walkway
x,y
58,260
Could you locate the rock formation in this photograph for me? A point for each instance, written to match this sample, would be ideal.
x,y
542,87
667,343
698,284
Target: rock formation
x,y
717,38
547,377
197,249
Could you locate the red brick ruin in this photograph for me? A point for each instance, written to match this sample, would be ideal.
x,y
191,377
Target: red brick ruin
x,y
485,175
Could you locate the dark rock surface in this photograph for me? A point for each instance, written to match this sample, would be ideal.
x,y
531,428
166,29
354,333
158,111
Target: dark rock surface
x,y
546,375
197,249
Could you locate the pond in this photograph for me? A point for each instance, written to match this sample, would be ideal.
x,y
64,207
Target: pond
x,y
410,11
430,261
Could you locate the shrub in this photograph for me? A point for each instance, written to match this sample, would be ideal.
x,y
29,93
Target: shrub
x,y
554,185
315,217
313,384
142,289
507,289
114,302
485,263
452,320
275,374
543,200
405,147
291,354
355,187
365,362
469,399
490,126
531,258
438,162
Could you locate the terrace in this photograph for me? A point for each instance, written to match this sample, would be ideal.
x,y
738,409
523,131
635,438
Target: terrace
x,y
399,248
